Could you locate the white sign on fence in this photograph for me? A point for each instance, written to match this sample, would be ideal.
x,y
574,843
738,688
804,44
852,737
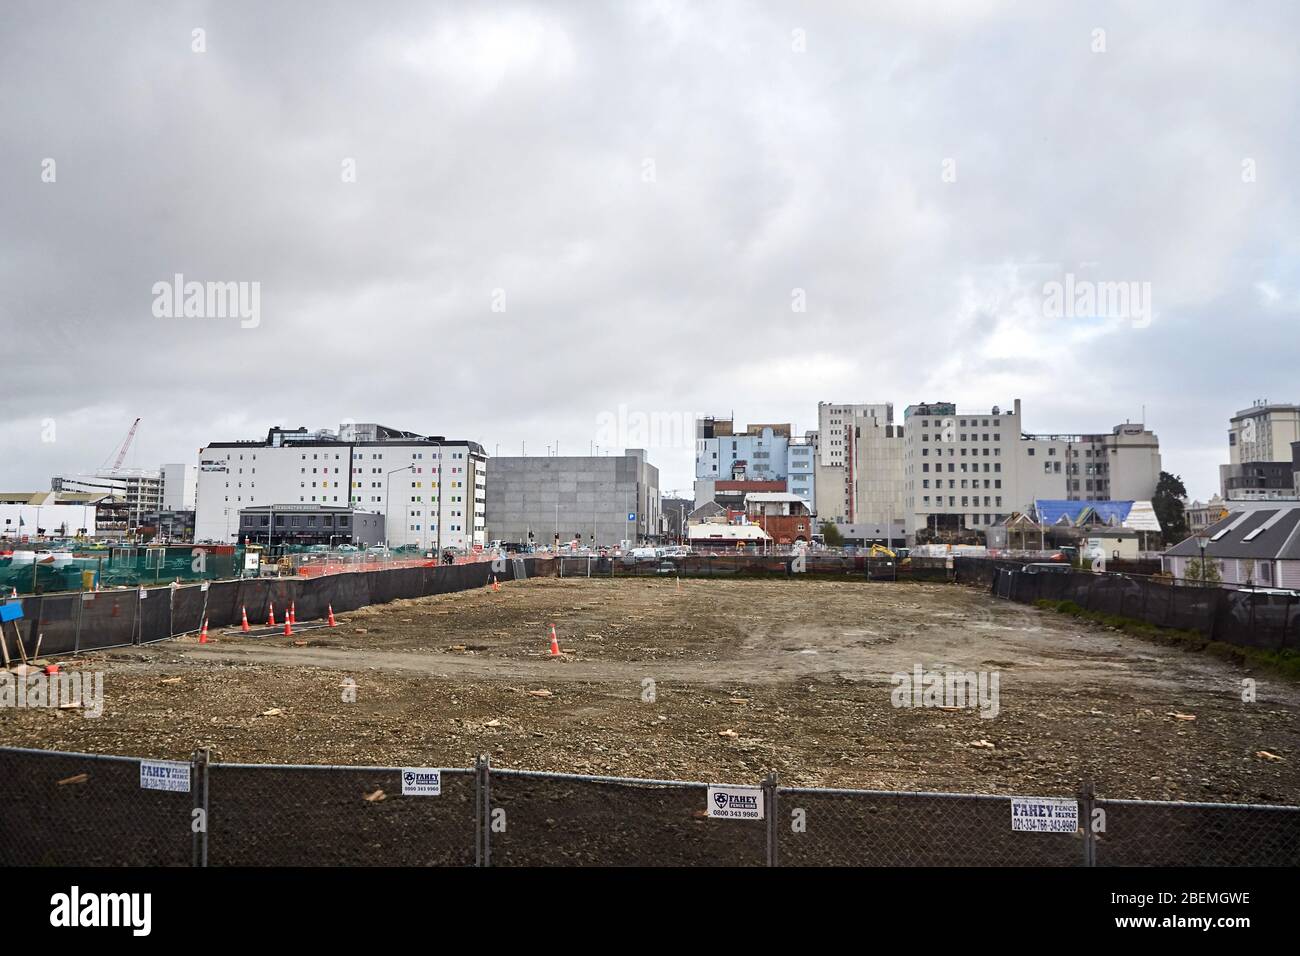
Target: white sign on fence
x,y
1044,814
165,775
421,782
735,803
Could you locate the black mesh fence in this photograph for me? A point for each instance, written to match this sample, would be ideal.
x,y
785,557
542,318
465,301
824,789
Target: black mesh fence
x,y
82,810
52,619
1244,616
725,565
106,619
60,809
91,620
337,816
872,828
547,820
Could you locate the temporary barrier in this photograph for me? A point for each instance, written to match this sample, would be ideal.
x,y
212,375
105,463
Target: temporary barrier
x,y
83,810
91,620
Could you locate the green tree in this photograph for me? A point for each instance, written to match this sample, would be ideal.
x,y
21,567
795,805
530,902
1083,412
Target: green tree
x,y
1207,576
831,535
1168,505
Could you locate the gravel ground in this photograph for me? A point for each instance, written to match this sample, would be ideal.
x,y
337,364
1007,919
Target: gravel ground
x,y
711,680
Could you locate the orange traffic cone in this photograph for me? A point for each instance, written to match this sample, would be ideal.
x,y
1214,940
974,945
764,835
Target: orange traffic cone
x,y
288,627
203,632
555,643
496,585
243,624
292,618
333,623
270,619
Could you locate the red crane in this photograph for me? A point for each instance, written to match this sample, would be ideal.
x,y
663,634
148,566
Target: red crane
x,y
121,454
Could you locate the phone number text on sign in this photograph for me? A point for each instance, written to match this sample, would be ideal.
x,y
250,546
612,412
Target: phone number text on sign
x,y
1044,814
735,803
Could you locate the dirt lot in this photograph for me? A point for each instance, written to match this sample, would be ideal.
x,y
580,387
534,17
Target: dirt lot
x,y
748,676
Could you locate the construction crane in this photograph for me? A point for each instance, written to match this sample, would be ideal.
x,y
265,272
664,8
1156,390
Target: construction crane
x,y
126,445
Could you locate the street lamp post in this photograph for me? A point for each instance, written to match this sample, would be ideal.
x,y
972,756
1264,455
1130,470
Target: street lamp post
x,y
437,547
1202,541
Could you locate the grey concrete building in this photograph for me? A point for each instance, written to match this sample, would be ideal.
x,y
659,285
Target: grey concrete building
x,y
613,497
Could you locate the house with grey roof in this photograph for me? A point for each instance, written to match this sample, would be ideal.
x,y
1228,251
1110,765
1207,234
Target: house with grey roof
x,y
1256,545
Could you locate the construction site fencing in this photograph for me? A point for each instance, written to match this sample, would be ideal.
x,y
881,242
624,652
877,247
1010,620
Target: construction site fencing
x,y
64,809
71,623
49,571
1245,617
753,565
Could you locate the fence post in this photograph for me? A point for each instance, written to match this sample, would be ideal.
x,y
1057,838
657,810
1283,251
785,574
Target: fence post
x,y
135,622
199,772
1087,799
76,633
482,811
769,800
1286,623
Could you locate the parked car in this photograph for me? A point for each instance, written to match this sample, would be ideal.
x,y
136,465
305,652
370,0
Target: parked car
x,y
1048,567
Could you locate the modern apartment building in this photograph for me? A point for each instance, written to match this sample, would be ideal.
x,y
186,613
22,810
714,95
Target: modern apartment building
x,y
180,487
1261,465
138,490
431,490
859,472
966,471
1120,465
611,497
760,452
801,468
1263,432
762,449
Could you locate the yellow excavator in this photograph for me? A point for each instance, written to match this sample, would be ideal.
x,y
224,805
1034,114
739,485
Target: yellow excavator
x,y
880,551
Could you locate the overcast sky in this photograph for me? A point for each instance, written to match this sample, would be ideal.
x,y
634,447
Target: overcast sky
x,y
649,191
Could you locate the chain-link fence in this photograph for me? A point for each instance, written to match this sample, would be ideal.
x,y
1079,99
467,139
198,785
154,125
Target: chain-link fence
x,y
88,810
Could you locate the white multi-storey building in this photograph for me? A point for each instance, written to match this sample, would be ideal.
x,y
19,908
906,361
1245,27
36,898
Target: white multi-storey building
x,y
1263,432
859,474
1261,462
966,471
1120,465
140,490
431,490
179,487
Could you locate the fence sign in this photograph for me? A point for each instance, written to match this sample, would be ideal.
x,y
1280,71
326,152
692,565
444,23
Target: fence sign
x,y
165,775
1044,814
735,803
421,782
11,611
